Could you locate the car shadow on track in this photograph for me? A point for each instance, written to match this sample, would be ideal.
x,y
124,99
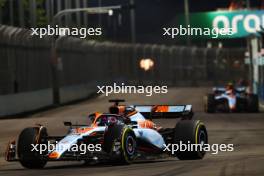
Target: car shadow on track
x,y
93,165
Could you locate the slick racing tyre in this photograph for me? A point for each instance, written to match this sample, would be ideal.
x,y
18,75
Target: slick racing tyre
x,y
28,158
252,103
120,143
209,103
190,132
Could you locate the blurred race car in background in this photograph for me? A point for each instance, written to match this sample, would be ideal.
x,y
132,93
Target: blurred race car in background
x,y
124,134
231,99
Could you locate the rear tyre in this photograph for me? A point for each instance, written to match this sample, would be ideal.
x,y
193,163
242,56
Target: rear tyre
x,y
239,105
31,159
209,103
120,143
190,132
252,103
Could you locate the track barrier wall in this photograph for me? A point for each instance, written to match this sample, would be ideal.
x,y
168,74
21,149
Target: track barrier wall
x,y
26,79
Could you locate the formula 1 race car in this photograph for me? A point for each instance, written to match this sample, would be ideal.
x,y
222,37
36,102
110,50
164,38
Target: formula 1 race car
x,y
124,134
231,99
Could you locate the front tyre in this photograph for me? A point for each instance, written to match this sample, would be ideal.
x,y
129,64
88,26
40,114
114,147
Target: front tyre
x,y
120,143
209,103
129,145
190,132
28,158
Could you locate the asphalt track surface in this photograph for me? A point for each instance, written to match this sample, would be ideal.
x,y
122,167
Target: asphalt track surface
x,y
245,131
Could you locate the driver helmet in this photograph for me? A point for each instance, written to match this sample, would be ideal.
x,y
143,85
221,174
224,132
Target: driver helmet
x,y
128,110
229,86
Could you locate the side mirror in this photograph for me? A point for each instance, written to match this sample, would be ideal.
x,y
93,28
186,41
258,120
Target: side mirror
x,y
68,124
133,122
91,117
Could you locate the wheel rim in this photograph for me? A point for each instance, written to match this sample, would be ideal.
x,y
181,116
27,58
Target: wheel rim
x,y
202,137
130,145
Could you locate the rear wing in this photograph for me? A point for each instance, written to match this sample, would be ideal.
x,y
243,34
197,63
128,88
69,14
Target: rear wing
x,y
165,111
239,89
218,90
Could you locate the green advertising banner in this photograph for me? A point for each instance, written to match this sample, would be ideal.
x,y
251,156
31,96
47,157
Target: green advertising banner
x,y
241,23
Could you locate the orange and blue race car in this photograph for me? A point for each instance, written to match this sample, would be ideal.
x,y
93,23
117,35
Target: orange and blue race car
x,y
231,99
122,135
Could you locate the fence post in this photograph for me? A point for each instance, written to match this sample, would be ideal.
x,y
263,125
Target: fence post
x,y
55,74
68,17
33,13
1,16
78,14
11,12
85,17
21,14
